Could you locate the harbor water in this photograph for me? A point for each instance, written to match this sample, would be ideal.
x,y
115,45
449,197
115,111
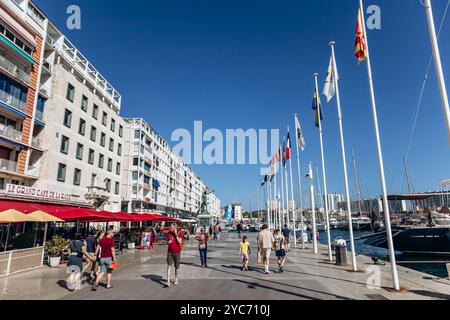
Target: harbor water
x,y
436,267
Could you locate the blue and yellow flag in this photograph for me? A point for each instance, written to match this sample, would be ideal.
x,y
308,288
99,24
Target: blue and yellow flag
x,y
317,107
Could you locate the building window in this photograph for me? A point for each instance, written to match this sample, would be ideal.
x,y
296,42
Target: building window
x,y
93,133
110,163
111,144
70,92
121,131
119,149
134,175
82,127
84,103
93,179
103,139
105,119
137,134
68,118
77,177
101,161
62,172
108,185
2,183
64,145
80,148
135,162
118,168
117,188
95,112
113,125
91,156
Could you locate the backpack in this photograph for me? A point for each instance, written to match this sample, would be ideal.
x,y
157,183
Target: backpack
x,y
75,246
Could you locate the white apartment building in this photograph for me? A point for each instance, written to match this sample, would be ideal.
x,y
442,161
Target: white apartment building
x,y
156,179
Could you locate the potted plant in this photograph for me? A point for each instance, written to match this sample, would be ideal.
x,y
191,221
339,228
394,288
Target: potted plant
x,y
55,248
132,239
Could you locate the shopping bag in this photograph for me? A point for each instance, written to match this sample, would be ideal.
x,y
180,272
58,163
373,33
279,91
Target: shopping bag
x,y
113,265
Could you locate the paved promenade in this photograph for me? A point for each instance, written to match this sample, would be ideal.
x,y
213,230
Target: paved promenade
x,y
306,277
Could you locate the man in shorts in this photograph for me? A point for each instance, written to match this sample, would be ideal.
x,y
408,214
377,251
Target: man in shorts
x,y
175,242
287,235
107,255
266,242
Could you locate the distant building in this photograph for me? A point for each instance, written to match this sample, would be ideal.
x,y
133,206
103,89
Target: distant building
x,y
334,200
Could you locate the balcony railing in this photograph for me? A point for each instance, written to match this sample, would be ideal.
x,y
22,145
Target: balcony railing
x,y
8,165
36,143
13,101
40,115
33,171
11,67
11,132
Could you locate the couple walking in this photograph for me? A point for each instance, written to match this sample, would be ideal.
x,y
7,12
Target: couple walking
x,y
268,242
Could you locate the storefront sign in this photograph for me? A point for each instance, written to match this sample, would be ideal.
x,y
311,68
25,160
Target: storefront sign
x,y
31,192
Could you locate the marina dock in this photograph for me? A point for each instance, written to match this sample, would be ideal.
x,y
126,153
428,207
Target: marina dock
x,y
306,277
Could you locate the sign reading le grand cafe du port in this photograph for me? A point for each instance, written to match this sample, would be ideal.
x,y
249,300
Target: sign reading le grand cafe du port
x,y
24,191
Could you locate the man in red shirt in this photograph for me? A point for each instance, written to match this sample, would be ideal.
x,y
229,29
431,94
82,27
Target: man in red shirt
x,y
175,241
107,255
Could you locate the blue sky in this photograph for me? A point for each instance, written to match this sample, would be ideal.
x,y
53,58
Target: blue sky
x,y
249,64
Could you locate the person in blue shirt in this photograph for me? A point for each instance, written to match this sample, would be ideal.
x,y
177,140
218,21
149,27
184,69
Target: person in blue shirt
x,y
287,236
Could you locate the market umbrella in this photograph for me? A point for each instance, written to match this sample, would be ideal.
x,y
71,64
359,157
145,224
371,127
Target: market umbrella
x,y
12,216
41,216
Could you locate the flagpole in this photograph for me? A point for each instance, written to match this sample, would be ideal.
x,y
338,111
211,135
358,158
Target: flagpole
x,y
438,64
330,252
300,195
292,192
286,188
313,210
269,208
344,158
387,216
282,188
275,197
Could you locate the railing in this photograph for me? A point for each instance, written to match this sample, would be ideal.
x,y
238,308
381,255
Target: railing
x,y
13,101
11,67
40,115
8,165
33,171
11,132
15,261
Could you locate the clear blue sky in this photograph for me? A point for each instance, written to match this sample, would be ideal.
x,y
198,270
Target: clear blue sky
x,y
249,64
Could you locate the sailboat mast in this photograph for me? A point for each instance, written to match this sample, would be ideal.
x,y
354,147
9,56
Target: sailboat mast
x,y
409,182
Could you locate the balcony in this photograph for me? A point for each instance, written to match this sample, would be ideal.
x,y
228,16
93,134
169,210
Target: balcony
x,y
33,171
40,115
36,143
15,70
10,132
12,101
8,165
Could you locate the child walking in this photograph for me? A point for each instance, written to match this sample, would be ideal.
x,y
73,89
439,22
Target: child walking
x,y
245,252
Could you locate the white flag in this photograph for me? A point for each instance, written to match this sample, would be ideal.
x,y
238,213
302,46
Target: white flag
x,y
329,89
299,134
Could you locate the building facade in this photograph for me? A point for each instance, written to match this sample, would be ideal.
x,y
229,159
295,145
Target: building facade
x,y
62,139
22,35
156,179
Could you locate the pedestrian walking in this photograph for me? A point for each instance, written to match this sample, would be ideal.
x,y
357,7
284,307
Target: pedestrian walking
x,y
287,237
211,229
266,242
244,251
175,242
77,251
107,257
218,230
280,249
239,230
202,239
91,247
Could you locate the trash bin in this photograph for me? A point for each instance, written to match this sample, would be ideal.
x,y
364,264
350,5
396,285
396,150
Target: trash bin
x,y
341,254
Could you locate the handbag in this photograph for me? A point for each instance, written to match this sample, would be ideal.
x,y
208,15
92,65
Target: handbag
x,y
113,265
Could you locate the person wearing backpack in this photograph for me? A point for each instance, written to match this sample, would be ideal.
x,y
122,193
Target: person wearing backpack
x,y
77,251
